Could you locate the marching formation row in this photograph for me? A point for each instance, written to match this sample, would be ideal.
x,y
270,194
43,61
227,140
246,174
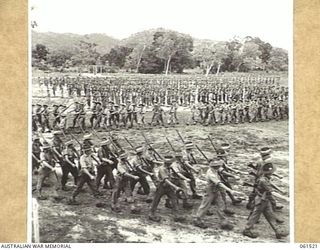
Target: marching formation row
x,y
171,174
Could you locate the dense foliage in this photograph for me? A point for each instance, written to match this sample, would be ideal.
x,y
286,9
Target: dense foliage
x,y
159,51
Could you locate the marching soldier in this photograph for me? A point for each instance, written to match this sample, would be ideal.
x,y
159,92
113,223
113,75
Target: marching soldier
x,y
187,164
213,193
262,204
122,184
47,171
105,168
36,151
69,164
86,174
167,186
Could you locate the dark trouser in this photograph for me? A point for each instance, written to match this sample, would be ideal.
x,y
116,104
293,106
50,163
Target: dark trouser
x,y
92,118
265,208
122,184
105,170
143,182
192,183
161,190
66,169
83,179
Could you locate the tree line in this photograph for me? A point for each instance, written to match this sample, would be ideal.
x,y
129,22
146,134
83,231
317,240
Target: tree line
x,y
169,52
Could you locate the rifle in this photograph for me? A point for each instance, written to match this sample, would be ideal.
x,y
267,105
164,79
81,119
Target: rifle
x,y
175,188
276,175
211,141
139,167
149,145
207,159
181,138
170,145
273,193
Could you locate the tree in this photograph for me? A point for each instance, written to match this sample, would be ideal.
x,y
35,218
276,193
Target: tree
x,y
210,54
172,46
40,56
86,54
278,60
40,52
117,56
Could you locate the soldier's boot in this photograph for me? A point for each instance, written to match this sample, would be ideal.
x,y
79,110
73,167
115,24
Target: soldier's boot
x,y
281,234
134,209
179,218
149,198
277,207
72,201
155,218
40,196
209,212
199,223
228,211
115,208
249,233
226,225
187,205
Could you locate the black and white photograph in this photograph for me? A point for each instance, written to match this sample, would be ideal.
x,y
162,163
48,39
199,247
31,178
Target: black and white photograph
x,y
160,121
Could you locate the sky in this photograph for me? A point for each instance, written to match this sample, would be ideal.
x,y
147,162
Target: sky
x,y
220,20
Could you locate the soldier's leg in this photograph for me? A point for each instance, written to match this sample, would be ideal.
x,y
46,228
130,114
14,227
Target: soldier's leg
x,y
81,182
75,173
156,199
109,177
65,173
224,223
41,177
91,185
268,214
145,185
101,171
205,203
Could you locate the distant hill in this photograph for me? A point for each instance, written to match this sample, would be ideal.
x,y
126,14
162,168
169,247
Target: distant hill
x,y
69,42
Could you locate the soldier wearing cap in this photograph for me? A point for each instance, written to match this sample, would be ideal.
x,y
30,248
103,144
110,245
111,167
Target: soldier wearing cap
x,y
213,193
56,117
36,150
129,115
105,168
180,178
63,122
225,173
167,186
77,111
86,174
47,171
141,115
57,146
69,164
93,117
265,153
123,180
187,163
142,168
45,119
262,205
98,115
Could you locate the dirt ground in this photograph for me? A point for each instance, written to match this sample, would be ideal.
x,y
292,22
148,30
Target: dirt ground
x,y
60,222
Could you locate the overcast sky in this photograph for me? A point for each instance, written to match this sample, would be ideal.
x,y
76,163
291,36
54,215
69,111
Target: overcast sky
x,y
271,20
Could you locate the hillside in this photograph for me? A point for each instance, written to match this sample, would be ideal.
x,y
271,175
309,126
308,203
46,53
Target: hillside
x,y
69,41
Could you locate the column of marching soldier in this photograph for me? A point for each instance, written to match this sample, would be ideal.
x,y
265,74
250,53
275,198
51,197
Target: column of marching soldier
x,y
171,174
109,110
